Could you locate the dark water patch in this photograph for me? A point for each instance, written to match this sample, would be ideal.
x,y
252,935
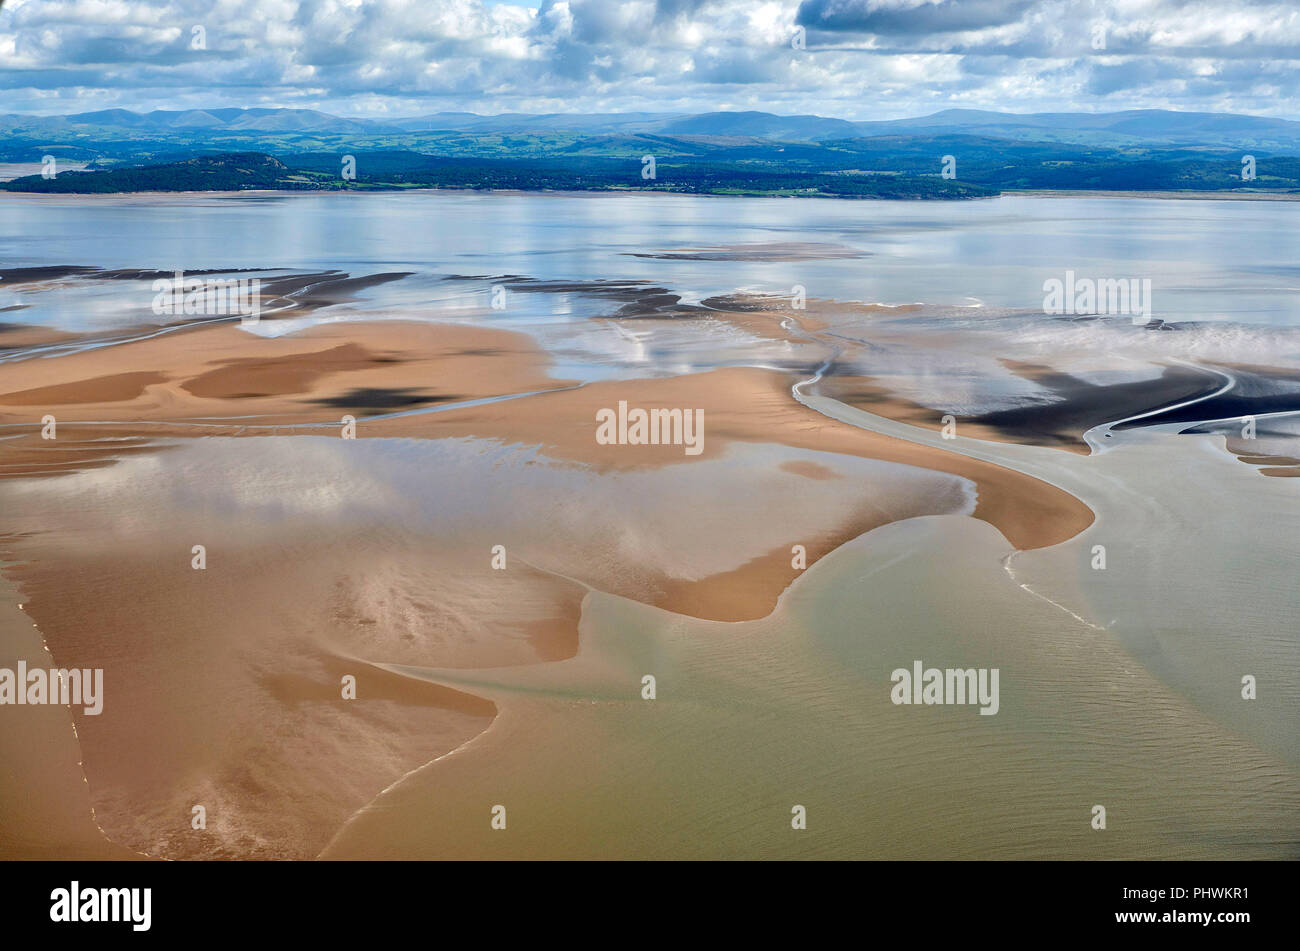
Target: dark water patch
x,y
383,399
33,275
1081,405
772,251
1256,392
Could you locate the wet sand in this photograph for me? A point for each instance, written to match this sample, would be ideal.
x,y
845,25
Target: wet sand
x,y
214,385
21,336
220,379
750,405
748,717
285,608
1076,405
375,558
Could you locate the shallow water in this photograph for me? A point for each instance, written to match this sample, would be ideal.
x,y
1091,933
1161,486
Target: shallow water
x,y
1208,260
751,720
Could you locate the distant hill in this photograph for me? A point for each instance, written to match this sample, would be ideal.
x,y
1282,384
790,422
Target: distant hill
x,y
233,172
518,122
260,128
734,153
1114,129
268,120
393,169
762,125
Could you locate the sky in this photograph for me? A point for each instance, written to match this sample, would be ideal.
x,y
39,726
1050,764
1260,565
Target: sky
x,y
853,59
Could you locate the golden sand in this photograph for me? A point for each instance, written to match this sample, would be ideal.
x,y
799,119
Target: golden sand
x,y
268,638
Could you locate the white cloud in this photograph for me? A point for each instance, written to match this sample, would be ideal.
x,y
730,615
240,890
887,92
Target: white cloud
x,y
864,58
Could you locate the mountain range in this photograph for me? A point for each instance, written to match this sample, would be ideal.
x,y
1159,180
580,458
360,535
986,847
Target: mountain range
x,y
750,153
1151,127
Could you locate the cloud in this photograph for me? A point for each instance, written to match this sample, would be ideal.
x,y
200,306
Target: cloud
x,y
910,17
862,58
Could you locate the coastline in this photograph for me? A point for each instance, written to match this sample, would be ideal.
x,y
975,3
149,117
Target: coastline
x,y
1189,195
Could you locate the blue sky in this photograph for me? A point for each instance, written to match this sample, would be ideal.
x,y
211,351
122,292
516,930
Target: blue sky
x,y
861,59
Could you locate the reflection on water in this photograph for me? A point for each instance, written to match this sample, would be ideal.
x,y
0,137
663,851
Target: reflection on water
x,y
1207,260
753,719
